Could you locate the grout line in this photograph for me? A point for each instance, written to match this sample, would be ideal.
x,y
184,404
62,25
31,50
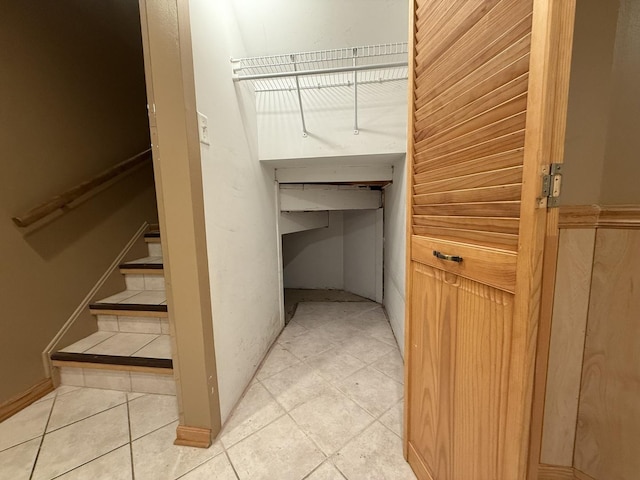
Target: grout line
x,y
92,346
233,467
90,416
147,344
44,433
133,473
89,461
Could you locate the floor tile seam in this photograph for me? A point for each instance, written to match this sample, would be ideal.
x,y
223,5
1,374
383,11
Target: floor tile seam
x,y
22,442
345,353
315,444
287,413
373,414
233,467
222,453
344,475
122,299
381,423
276,399
44,430
132,354
201,463
369,310
93,346
88,461
303,359
89,416
152,431
133,474
328,460
225,451
284,413
369,364
264,360
353,437
385,374
342,445
146,344
155,430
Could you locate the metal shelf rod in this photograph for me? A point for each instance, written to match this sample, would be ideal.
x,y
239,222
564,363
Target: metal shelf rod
x,y
321,71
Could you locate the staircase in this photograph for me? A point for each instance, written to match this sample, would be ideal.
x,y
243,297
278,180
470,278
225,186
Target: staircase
x,y
131,351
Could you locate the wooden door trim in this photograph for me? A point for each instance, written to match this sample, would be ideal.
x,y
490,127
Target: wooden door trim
x,y
409,214
552,36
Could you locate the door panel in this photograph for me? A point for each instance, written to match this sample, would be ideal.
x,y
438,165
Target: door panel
x,y
482,119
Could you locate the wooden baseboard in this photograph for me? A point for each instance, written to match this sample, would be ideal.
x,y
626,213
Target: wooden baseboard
x,y
416,464
556,472
581,476
24,399
193,436
600,216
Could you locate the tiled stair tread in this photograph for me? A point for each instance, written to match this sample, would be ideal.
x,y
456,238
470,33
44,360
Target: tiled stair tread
x,y
119,344
123,344
136,297
129,307
152,234
113,360
146,263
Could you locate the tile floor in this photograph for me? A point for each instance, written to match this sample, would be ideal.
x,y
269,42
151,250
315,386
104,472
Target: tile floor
x,y
123,344
326,404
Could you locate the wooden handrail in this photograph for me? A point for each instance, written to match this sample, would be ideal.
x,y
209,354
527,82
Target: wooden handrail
x,y
60,202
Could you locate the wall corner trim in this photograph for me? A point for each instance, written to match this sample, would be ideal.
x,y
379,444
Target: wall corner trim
x,y
558,472
26,398
193,436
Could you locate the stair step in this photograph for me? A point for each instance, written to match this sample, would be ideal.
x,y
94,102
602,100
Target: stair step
x,y
135,302
111,360
152,237
141,322
120,361
128,310
143,266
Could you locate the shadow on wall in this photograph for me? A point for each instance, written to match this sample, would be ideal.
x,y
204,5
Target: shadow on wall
x,y
61,233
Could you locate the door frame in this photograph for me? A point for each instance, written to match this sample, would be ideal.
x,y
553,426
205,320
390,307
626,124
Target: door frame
x,y
550,58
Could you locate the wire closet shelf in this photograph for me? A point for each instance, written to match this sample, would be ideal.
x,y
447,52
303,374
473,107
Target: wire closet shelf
x,y
342,67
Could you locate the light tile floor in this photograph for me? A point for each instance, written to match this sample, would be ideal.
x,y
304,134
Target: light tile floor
x,y
326,404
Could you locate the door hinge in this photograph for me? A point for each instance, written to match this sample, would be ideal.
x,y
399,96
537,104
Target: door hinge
x,y
551,185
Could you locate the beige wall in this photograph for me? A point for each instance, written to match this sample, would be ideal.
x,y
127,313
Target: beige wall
x,y
589,93
73,103
622,155
602,143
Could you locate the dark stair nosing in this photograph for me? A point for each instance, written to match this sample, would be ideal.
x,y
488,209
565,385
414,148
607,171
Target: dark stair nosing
x,y
142,266
112,360
135,307
154,234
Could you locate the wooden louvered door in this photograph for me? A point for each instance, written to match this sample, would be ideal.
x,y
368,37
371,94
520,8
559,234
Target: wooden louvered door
x,y
484,79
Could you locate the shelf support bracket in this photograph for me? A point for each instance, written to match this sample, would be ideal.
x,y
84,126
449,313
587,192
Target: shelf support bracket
x,y
355,93
295,68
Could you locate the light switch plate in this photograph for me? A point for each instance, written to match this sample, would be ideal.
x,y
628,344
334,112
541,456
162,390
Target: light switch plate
x,y
203,128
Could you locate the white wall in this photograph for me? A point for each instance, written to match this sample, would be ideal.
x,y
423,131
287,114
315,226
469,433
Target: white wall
x,y
346,256
362,253
329,116
240,207
282,26
394,251
286,26
314,259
